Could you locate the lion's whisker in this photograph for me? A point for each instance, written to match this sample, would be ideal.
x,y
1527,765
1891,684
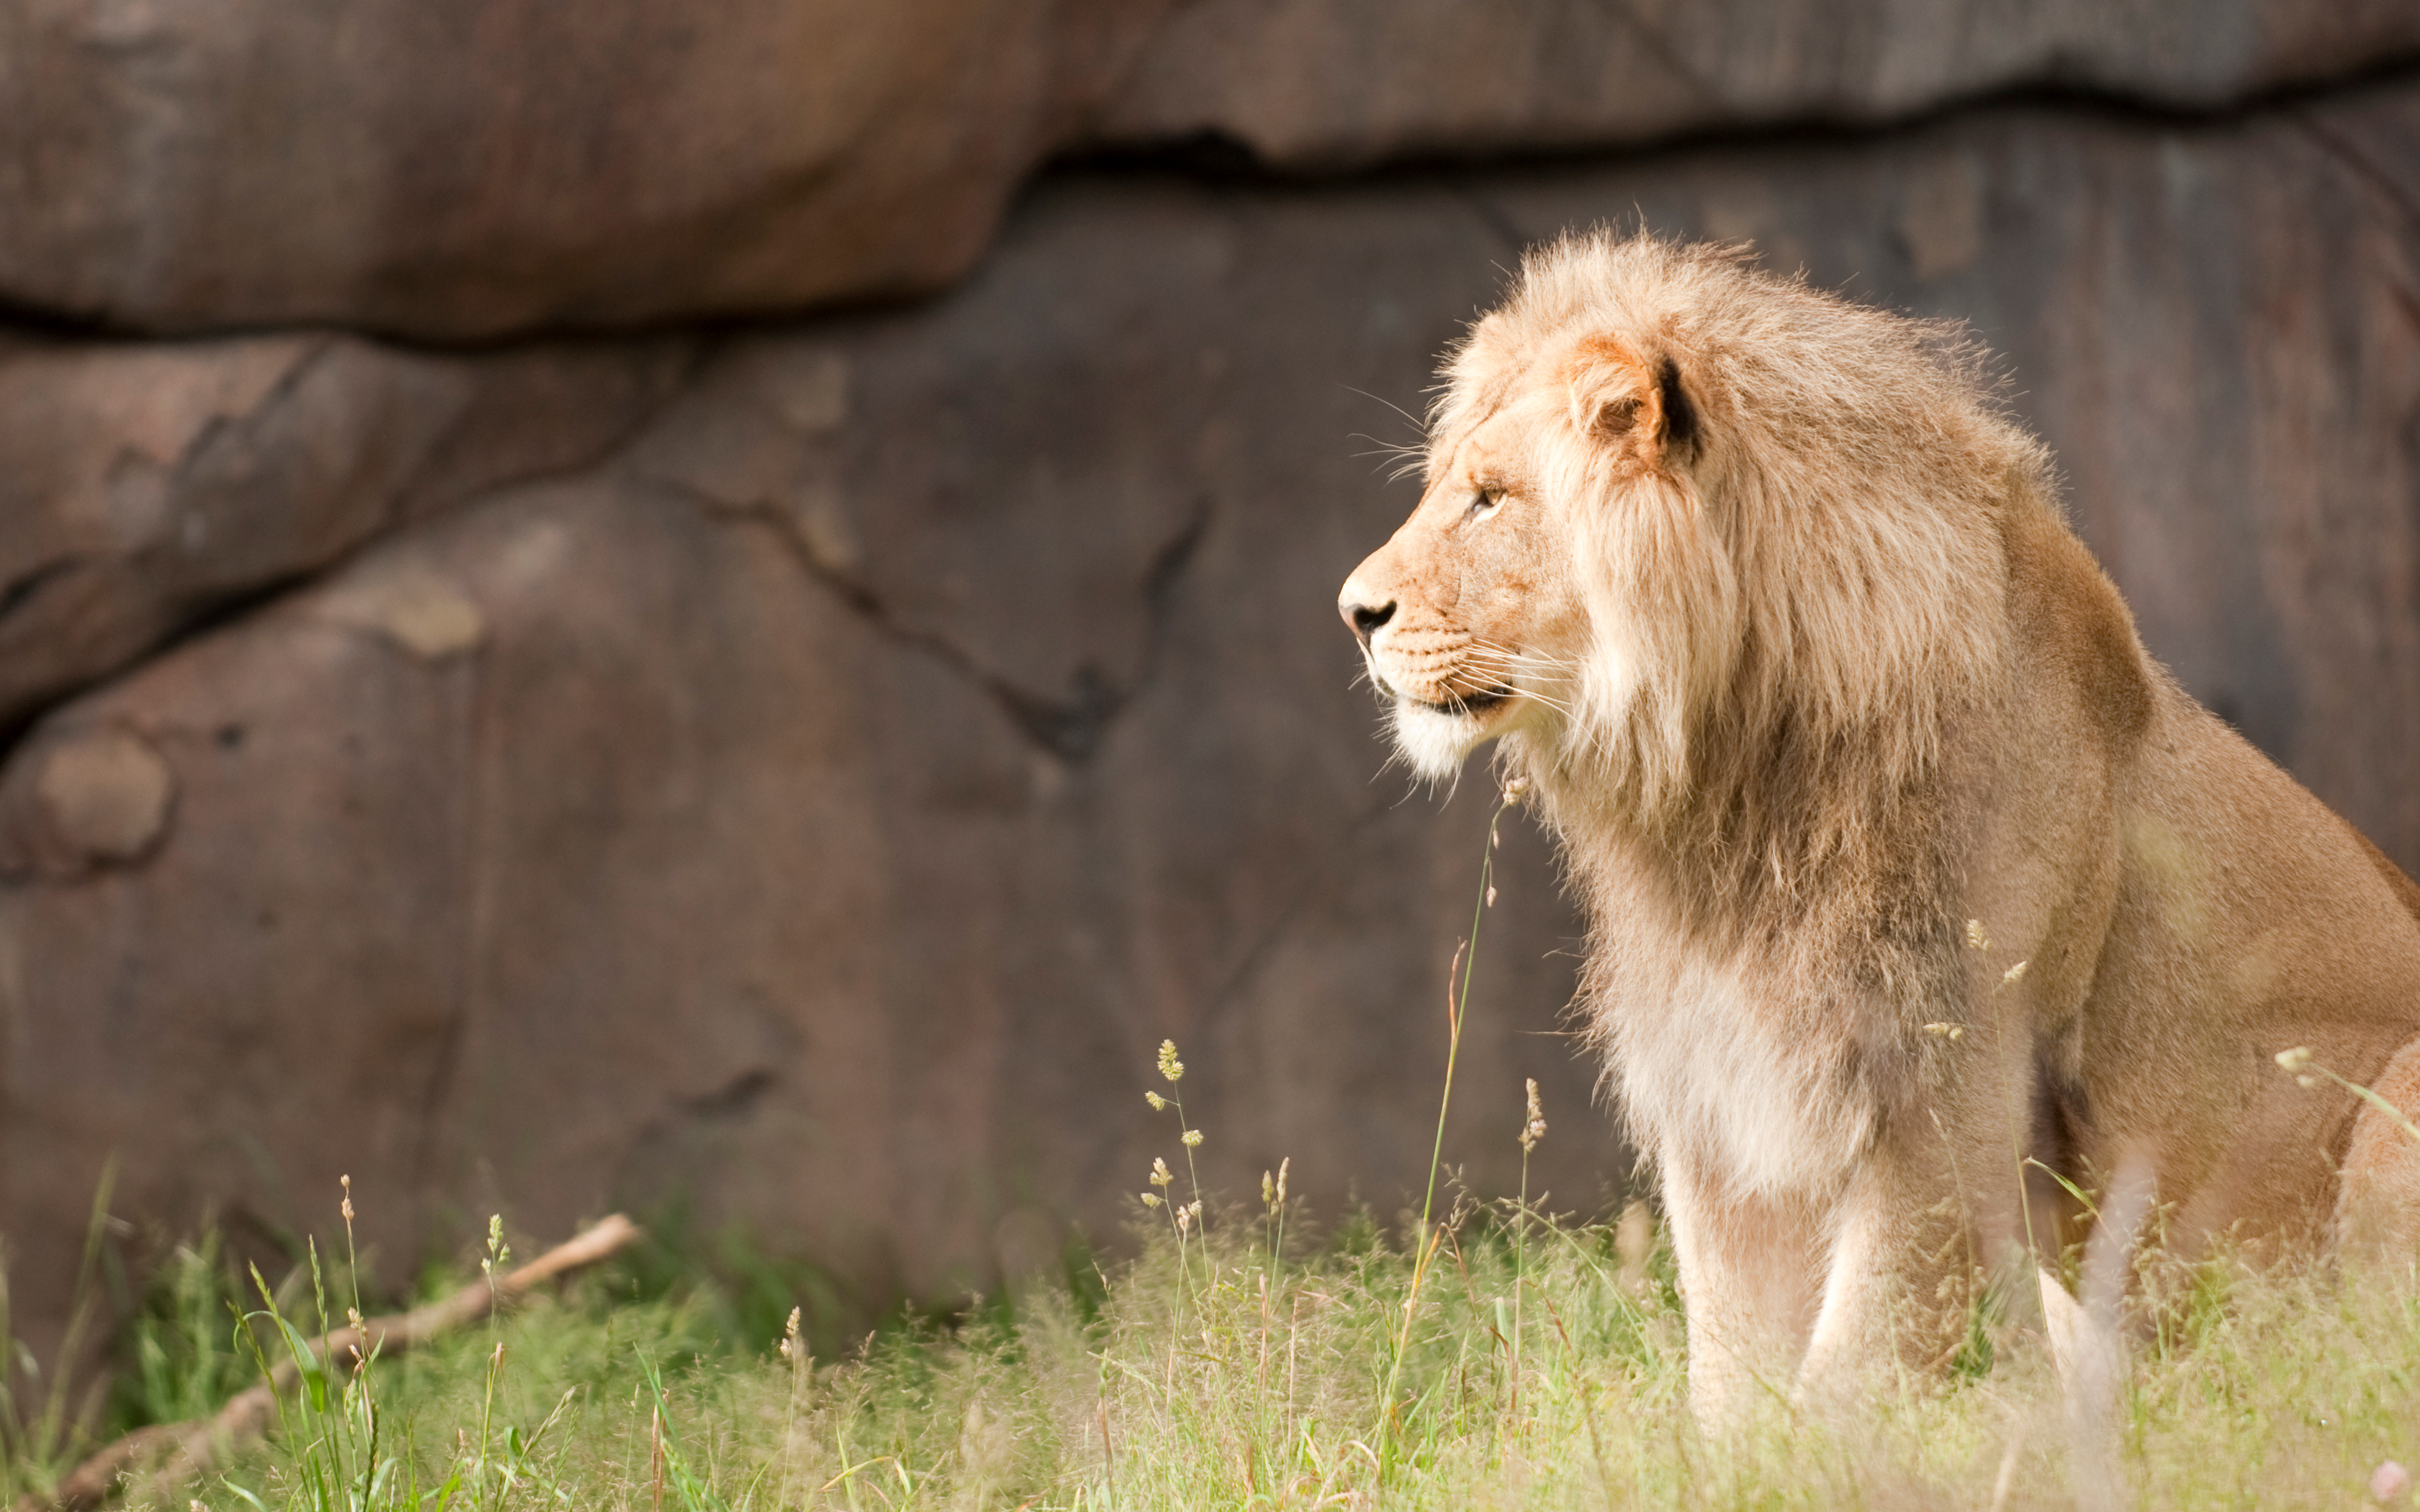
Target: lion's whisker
x,y
1418,423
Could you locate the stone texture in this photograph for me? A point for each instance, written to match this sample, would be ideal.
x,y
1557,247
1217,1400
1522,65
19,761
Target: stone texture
x,y
814,816
814,812
451,169
1328,84
147,486
461,167
98,797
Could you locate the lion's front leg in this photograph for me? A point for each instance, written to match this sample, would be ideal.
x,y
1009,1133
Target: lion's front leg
x,y
1751,1273
1911,1245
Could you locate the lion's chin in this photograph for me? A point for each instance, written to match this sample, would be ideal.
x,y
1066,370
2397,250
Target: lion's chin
x,y
1436,739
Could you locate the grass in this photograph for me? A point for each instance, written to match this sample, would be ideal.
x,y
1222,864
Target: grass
x,y
1213,1371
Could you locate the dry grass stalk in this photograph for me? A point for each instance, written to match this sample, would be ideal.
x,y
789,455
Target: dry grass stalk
x,y
168,1453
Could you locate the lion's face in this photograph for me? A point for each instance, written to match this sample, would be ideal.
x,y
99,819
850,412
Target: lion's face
x,y
1473,619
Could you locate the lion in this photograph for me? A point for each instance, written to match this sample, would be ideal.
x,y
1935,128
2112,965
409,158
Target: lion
x,y
1920,898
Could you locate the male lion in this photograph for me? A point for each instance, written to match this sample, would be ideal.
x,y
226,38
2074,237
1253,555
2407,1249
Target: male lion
x,y
1777,613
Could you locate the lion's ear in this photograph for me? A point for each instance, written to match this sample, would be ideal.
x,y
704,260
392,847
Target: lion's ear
x,y
1630,399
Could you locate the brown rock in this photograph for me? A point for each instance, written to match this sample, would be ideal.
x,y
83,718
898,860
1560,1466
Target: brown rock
x,y
98,797
695,880
422,613
146,486
819,809
1327,83
462,168
448,169
832,814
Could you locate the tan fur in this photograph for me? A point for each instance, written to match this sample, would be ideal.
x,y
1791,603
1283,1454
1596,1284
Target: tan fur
x,y
1776,610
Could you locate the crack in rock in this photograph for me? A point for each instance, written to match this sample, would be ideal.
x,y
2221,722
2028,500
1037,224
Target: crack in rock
x,y
2354,160
19,590
1069,726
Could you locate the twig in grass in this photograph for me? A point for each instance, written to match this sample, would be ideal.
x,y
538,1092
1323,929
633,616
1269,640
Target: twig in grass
x,y
1533,1128
1273,1201
2300,1062
1457,1003
656,1450
166,1452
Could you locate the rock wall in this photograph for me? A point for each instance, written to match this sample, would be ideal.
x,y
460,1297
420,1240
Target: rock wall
x,y
469,168
795,771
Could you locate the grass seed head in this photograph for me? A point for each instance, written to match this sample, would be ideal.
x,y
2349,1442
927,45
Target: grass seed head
x,y
1171,1069
1160,1174
1191,1137
2295,1059
1158,1104
1975,938
1535,1129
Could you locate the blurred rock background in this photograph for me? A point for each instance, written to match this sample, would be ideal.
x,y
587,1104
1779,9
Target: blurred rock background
x,y
727,609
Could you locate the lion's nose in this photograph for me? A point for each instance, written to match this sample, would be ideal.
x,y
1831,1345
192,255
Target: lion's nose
x,y
1365,618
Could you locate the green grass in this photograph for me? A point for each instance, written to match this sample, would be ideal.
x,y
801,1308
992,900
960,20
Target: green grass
x,y
1214,1373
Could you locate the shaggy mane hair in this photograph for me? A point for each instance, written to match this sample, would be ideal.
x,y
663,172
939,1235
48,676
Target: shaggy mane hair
x,y
1783,625
1780,627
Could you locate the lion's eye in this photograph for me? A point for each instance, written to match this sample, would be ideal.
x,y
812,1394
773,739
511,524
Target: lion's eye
x,y
1485,502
